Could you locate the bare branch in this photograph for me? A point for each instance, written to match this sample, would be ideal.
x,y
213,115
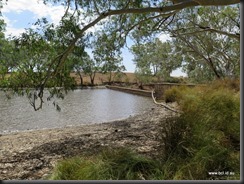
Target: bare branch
x,y
163,104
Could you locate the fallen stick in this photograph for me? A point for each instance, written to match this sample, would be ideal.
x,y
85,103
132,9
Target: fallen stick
x,y
163,104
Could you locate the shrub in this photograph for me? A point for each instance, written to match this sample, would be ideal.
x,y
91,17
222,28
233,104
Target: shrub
x,y
173,94
173,80
232,84
4,83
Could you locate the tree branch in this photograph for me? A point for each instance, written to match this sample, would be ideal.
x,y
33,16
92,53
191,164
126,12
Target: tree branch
x,y
205,29
207,59
180,4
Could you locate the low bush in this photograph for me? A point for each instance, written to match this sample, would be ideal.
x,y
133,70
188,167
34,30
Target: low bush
x,y
174,94
232,84
174,80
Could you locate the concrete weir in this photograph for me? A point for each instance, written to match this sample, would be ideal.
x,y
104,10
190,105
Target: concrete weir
x,y
131,91
159,89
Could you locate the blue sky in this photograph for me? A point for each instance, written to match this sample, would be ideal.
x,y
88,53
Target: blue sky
x,y
21,14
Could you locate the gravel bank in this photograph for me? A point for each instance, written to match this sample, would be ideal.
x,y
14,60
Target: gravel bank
x,y
32,155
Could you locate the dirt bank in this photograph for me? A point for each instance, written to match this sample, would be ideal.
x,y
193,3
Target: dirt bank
x,y
32,155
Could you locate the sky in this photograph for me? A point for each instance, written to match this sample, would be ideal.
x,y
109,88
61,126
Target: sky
x,y
21,14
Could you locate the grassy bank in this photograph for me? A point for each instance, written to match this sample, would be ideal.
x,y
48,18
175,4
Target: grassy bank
x,y
206,137
202,143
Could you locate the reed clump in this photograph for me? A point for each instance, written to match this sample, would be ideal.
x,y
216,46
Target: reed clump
x,y
205,138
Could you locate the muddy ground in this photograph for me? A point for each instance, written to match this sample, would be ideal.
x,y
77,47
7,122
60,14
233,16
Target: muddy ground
x,y
32,155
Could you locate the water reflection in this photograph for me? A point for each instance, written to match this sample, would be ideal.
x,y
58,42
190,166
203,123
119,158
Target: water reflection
x,y
78,107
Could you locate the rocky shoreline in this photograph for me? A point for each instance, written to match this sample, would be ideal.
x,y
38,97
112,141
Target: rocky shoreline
x,y
31,155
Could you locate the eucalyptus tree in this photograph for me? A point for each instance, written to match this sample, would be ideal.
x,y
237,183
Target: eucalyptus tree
x,y
91,67
7,58
33,58
156,58
208,39
123,17
78,61
6,50
143,76
35,49
107,52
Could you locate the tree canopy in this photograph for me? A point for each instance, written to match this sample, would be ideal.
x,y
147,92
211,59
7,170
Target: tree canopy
x,y
156,58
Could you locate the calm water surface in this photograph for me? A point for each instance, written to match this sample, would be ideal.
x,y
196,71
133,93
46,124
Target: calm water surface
x,y
78,107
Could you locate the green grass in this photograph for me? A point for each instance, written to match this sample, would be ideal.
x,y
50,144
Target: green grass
x,y
208,132
110,164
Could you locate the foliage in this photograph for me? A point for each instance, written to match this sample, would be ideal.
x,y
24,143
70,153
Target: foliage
x,y
6,54
208,134
156,58
174,94
119,76
110,164
208,40
108,54
77,61
176,80
32,54
143,77
91,67
226,83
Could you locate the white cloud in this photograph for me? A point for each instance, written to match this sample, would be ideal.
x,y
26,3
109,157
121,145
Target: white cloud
x,y
37,8
10,29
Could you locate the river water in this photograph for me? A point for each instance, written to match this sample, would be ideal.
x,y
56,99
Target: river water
x,y
78,107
